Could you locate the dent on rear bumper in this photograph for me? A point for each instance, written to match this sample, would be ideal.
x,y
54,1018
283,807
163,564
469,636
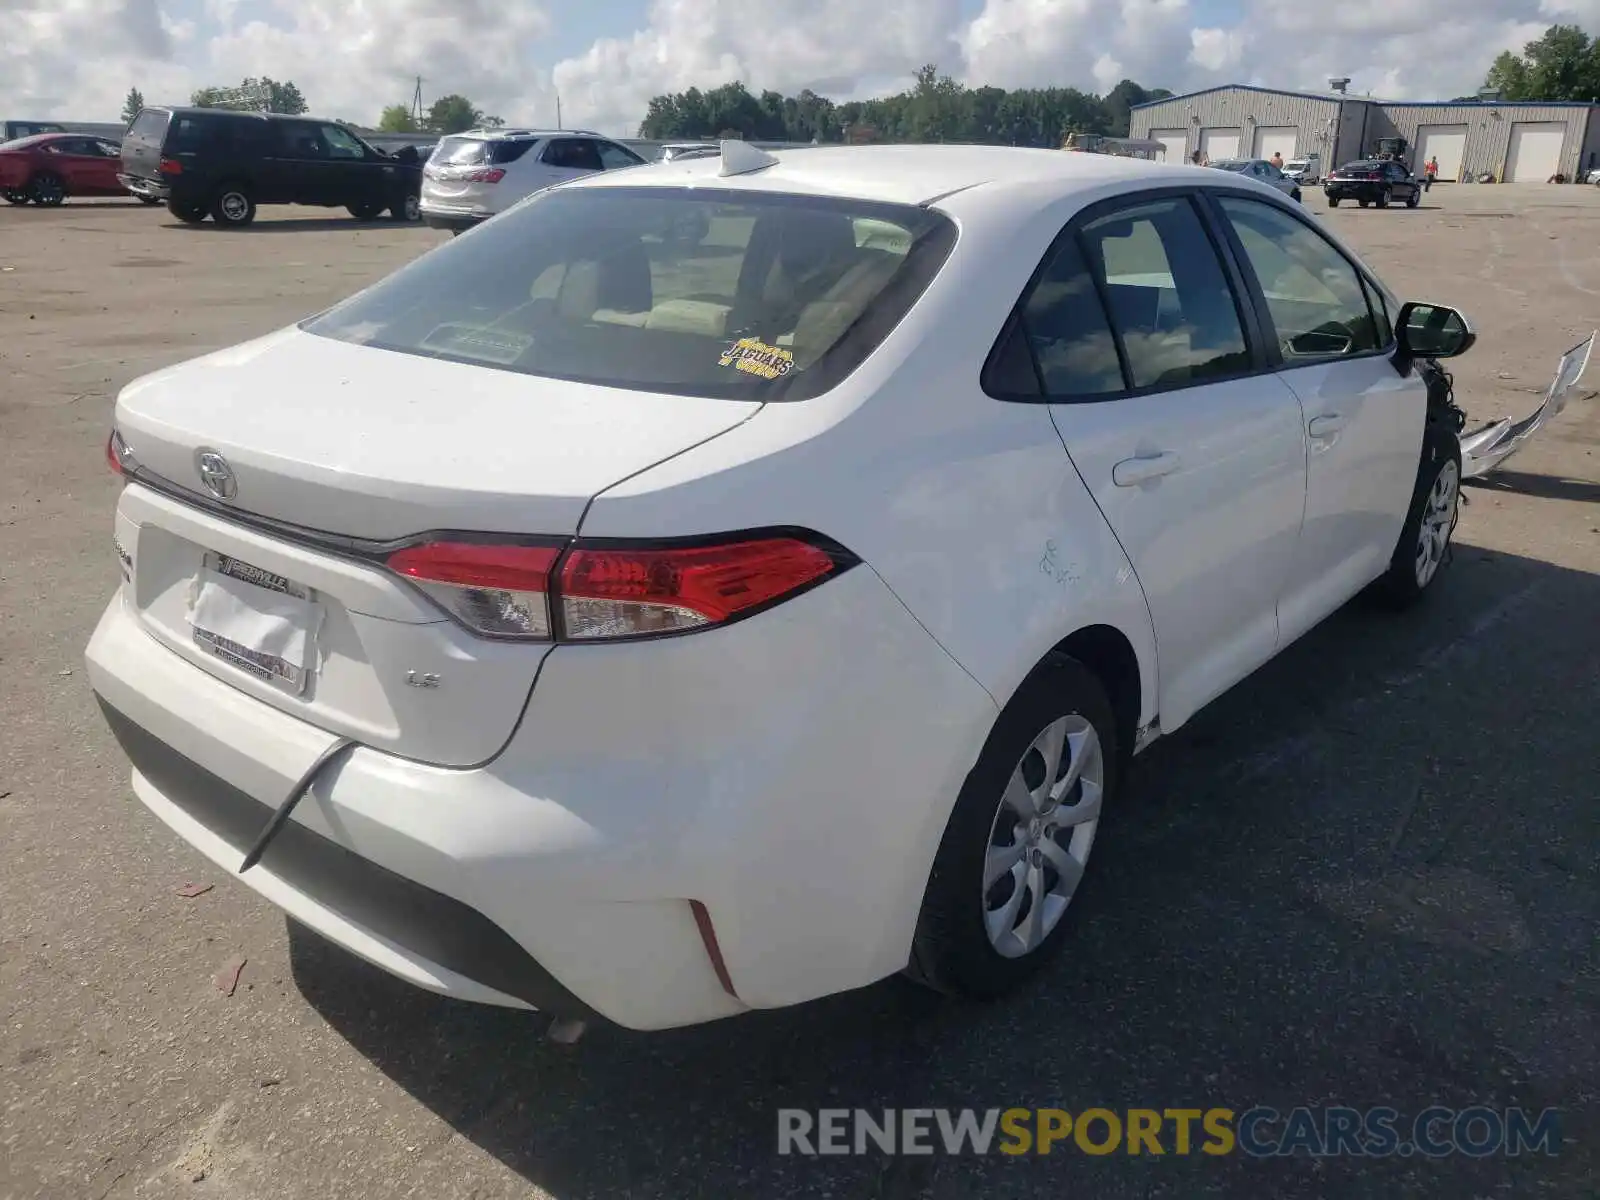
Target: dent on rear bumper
x,y
792,772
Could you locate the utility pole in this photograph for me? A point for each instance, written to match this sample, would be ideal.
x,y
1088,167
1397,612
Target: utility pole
x,y
558,110
416,103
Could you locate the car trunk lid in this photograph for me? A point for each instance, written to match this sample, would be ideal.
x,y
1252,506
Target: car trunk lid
x,y
337,454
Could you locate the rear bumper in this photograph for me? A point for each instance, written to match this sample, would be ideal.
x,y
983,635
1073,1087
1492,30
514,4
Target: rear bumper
x,y
1353,191
790,775
141,186
455,222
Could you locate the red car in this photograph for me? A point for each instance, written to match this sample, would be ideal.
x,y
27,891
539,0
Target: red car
x,y
48,167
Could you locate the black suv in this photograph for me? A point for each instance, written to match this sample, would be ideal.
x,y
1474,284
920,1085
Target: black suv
x,y
212,162
1377,181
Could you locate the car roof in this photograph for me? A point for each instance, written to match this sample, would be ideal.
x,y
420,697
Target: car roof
x,y
899,174
490,135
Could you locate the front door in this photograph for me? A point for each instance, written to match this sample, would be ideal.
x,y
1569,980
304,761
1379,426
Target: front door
x,y
1193,452
1334,341
358,177
567,158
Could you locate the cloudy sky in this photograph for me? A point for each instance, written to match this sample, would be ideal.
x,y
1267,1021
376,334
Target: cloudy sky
x,y
76,59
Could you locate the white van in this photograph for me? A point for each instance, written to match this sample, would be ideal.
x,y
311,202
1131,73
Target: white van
x,y
1304,170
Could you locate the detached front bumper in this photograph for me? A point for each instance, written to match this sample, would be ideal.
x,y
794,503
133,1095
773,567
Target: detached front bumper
x,y
149,188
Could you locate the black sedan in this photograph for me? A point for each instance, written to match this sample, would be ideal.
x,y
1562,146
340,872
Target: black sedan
x,y
1373,181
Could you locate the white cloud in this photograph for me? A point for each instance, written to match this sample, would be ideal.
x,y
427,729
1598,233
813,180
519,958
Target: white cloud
x,y
77,58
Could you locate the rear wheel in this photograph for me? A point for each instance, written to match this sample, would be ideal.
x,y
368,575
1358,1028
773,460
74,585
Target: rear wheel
x,y
1295,195
191,214
148,199
1333,202
233,205
409,209
16,196
48,190
364,212
1019,836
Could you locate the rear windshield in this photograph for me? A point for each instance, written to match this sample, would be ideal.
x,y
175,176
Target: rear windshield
x,y
476,152
702,292
1365,165
148,126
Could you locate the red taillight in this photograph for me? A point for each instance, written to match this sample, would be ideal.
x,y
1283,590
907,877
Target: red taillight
x,y
601,592
628,592
487,175
117,454
171,166
492,588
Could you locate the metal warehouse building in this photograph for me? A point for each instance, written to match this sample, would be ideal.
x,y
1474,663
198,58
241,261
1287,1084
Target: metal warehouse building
x,y
1515,142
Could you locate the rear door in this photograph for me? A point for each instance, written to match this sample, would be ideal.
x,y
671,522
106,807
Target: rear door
x,y
1192,450
1332,341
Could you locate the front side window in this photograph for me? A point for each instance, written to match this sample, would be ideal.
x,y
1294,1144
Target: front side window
x,y
689,291
613,156
1314,296
342,143
577,154
1171,305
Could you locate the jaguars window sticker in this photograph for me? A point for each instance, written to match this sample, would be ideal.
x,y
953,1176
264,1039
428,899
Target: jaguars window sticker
x,y
755,357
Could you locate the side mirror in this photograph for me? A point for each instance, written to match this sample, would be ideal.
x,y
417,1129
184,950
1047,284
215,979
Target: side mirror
x,y
1433,331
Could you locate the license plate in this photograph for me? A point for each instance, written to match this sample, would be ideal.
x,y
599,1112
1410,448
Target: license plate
x,y
257,621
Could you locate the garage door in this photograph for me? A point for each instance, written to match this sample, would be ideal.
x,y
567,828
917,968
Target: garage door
x,y
1276,139
1175,140
1217,144
1535,151
1447,143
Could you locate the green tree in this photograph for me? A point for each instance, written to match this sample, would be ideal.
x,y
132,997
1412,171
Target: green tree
x,y
456,114
132,106
1562,64
397,118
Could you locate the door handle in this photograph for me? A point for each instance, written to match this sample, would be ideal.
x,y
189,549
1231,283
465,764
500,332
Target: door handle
x,y
1325,426
1131,472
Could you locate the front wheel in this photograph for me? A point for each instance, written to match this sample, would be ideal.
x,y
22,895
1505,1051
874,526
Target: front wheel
x,y
1295,195
409,209
48,190
1383,198
1424,543
1363,202
1018,839
366,211
1414,199
148,199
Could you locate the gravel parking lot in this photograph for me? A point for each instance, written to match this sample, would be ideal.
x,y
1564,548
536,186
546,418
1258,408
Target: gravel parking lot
x,y
1366,877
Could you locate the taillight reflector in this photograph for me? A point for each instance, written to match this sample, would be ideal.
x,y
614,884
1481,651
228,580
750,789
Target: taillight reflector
x,y
605,591
171,166
117,454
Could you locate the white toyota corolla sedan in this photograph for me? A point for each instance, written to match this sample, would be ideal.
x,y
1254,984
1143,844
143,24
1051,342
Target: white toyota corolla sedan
x,y
727,582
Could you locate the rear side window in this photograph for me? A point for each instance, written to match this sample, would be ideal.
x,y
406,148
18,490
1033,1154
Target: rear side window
x,y
1314,294
612,156
1172,308
578,154
1066,327
508,150
701,292
188,134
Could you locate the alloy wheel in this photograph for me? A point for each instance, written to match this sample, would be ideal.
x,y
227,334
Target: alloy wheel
x,y
1438,520
234,205
1040,838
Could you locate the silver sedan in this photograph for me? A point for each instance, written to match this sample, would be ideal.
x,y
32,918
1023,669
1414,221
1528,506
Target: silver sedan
x,y
1260,168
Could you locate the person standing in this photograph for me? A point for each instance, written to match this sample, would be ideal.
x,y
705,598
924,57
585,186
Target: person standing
x,y
1277,160
1428,172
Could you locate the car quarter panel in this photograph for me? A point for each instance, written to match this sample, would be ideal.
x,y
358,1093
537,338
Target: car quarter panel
x,y
967,507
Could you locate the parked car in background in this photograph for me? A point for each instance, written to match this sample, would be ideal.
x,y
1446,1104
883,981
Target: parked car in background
x,y
212,162
676,150
1373,181
472,176
47,168
668,630
10,131
1260,168
1304,171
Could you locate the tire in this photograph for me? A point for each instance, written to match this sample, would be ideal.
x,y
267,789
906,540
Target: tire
x,y
16,196
148,199
1383,198
233,206
190,214
48,190
1333,202
1414,199
1424,544
1295,196
409,209
954,950
1363,202
364,212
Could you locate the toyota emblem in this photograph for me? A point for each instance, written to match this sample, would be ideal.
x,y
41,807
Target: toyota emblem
x,y
216,474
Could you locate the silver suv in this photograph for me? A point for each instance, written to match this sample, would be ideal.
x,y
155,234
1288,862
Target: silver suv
x,y
472,176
